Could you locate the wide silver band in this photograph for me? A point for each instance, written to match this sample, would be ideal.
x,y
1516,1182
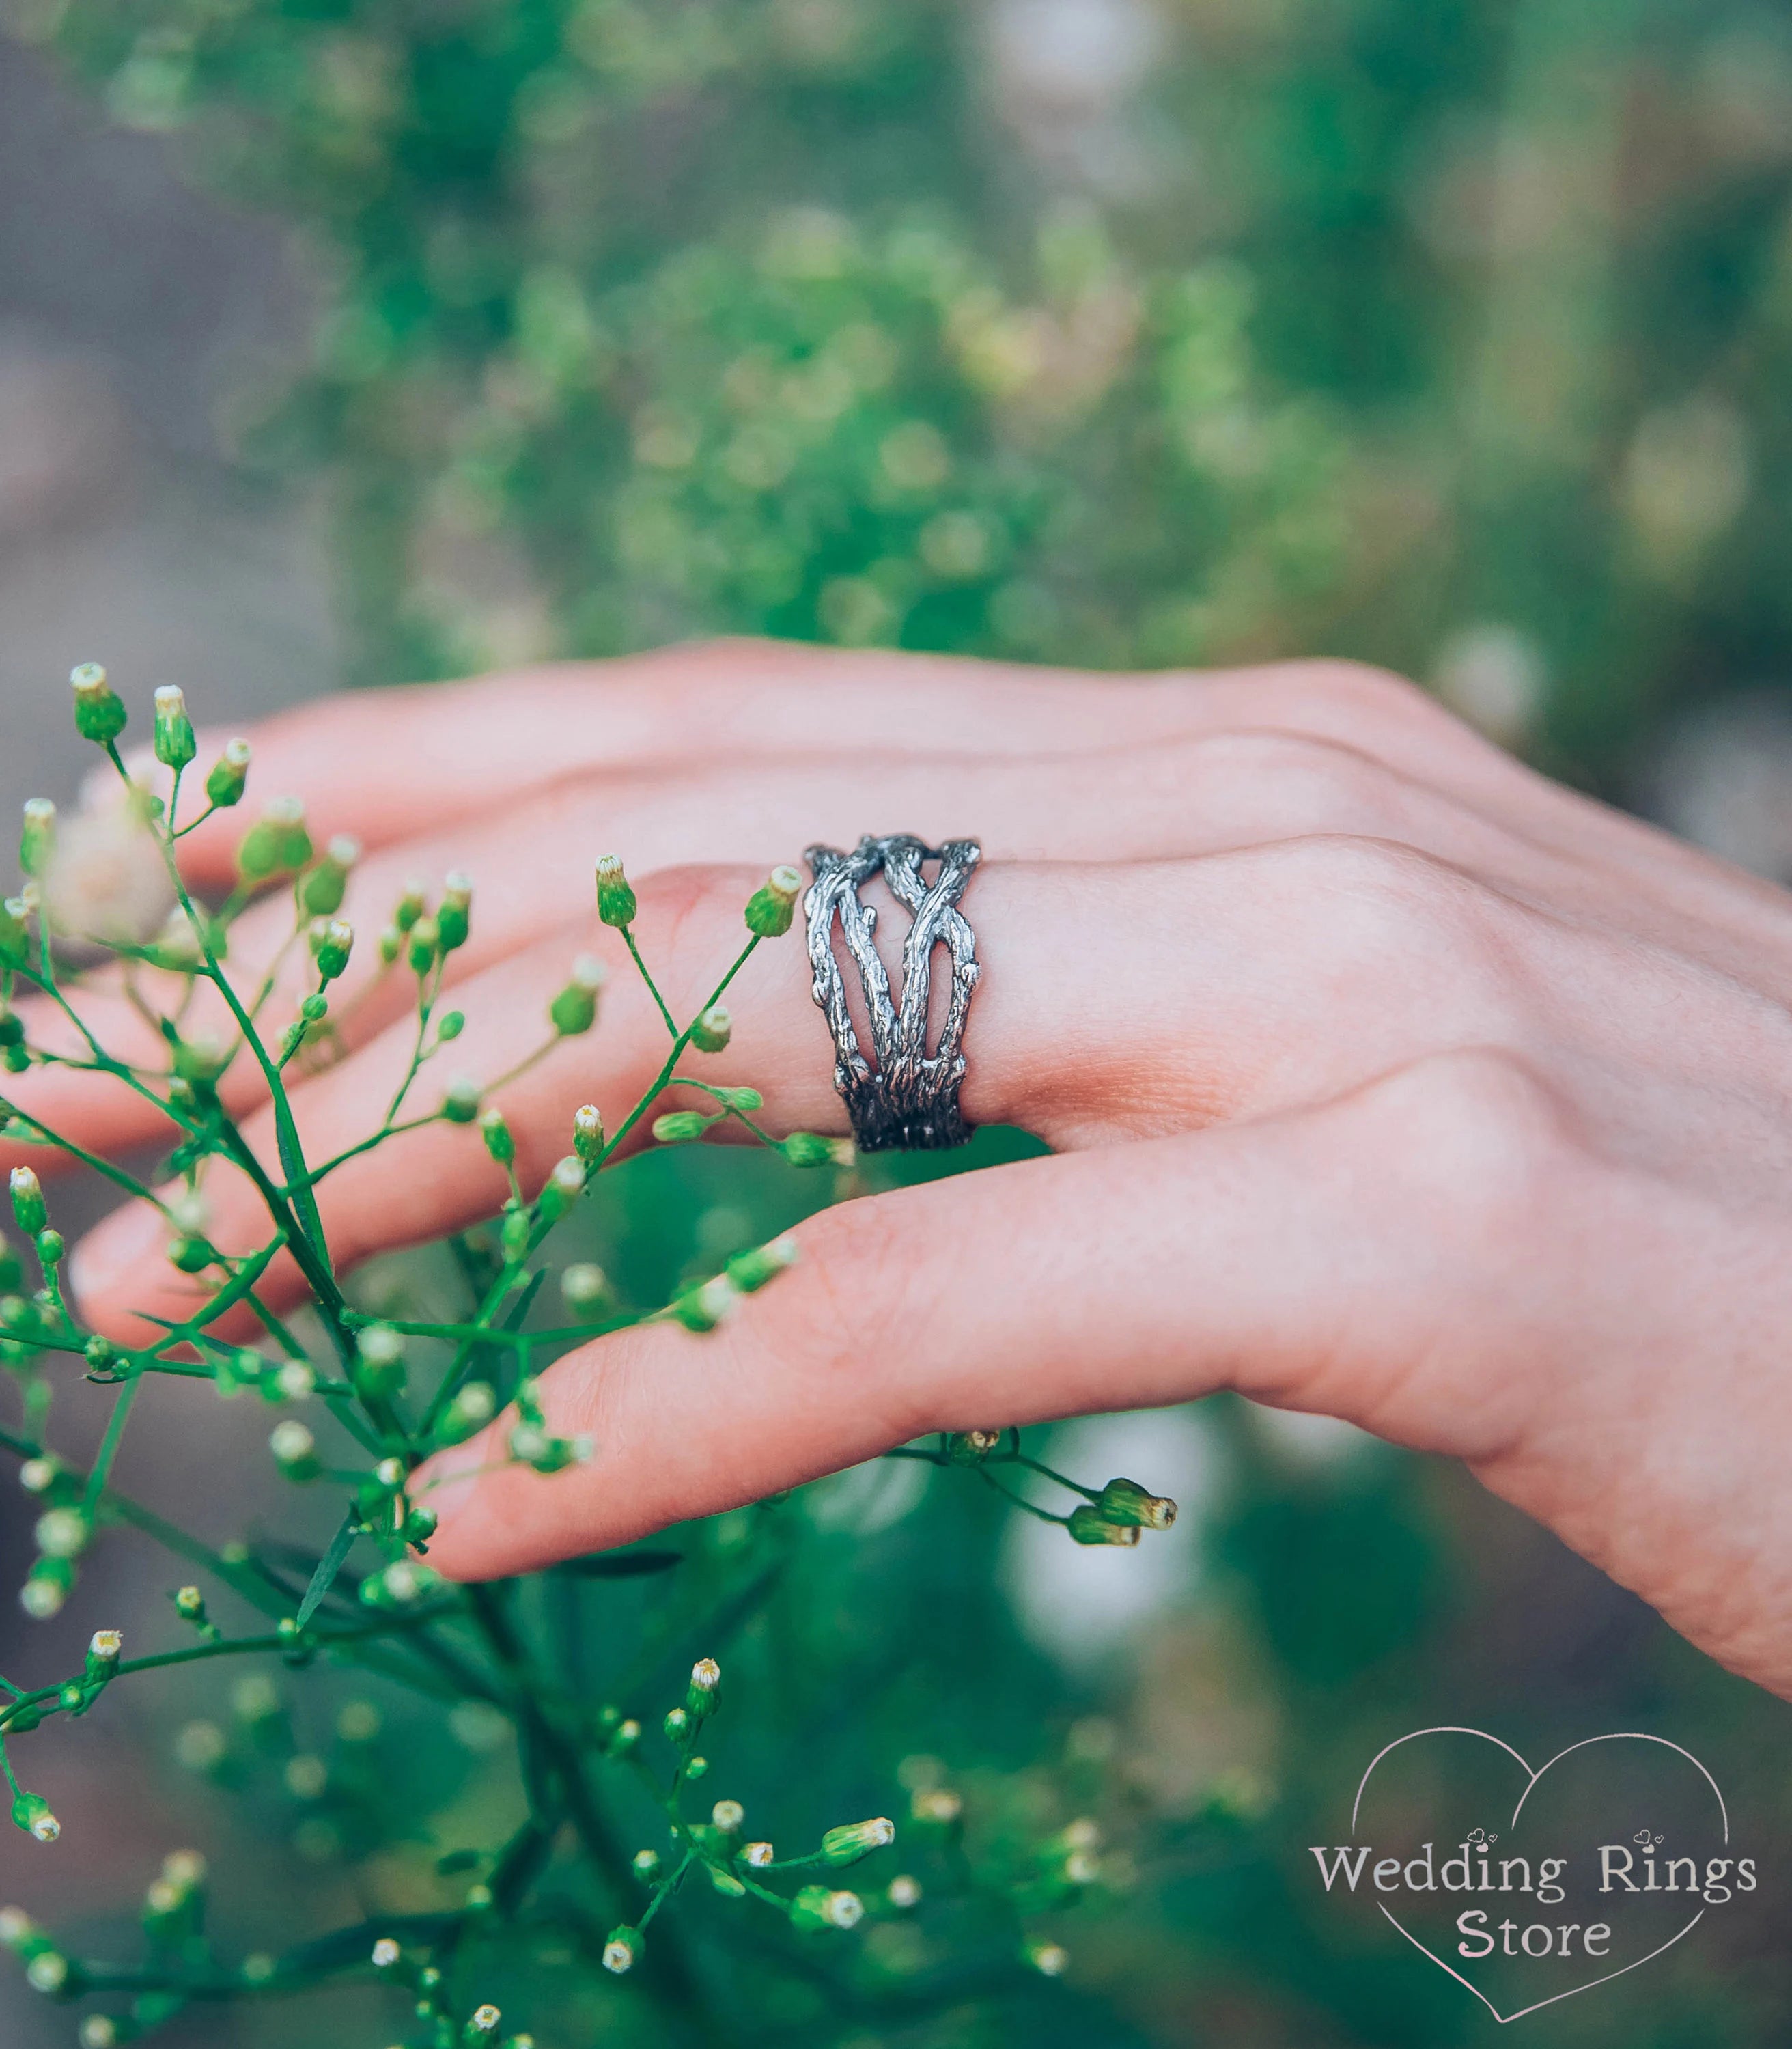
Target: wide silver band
x,y
909,1097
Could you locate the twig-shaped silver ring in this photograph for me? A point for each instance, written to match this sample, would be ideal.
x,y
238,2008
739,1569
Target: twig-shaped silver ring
x,y
909,1097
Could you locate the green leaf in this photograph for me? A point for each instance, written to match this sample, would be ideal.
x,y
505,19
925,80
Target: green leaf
x,y
328,1566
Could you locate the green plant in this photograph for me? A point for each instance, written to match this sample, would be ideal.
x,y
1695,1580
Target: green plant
x,y
366,1398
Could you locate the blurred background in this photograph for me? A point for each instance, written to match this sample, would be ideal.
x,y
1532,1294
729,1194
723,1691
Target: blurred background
x,y
380,341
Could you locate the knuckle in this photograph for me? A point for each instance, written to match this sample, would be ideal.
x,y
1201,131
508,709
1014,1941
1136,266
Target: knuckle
x,y
1376,694
1499,1144
1311,785
1375,920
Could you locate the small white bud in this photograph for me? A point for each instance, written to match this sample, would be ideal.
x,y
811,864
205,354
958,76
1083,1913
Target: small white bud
x,y
706,1675
727,1815
904,1891
48,1972
386,1953
40,1598
485,2019
844,1910
63,1533
1050,1959
582,1284
296,1381
290,1442
758,1855
107,1645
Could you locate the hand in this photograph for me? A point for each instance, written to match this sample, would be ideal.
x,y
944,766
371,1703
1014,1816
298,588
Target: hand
x,y
1385,1080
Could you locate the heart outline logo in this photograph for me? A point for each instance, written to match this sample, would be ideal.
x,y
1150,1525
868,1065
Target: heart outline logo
x,y
1532,1778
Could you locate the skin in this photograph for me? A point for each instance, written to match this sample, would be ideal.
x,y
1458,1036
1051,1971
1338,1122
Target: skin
x,y
1385,1078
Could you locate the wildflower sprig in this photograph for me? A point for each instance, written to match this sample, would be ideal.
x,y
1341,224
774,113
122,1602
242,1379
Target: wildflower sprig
x,y
364,1399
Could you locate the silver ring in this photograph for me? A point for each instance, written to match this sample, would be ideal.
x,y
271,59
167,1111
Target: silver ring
x,y
909,1098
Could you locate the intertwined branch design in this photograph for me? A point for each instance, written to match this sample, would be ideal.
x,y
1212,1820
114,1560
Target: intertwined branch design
x,y
909,1098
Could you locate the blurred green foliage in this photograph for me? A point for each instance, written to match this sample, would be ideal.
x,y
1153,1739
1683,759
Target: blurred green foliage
x,y
1448,333
1116,332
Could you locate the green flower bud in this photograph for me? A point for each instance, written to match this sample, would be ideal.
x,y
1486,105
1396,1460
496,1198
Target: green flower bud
x,y
50,1248
37,840
229,776
21,1316
12,1026
702,1307
817,1907
712,1032
574,1010
295,1451
565,1185
379,1362
622,1948
1088,1525
173,741
808,1149
679,1127
99,712
315,1008
189,1604
971,1447
332,940
499,1141
452,918
473,1406
28,1206
854,1840
588,1133
15,932
450,1026
190,1255
1125,1501
276,844
616,900
322,888
400,1585
703,1696
420,1526
772,906
677,1726
459,1105
104,1650
31,1812
514,1235
426,943
750,1271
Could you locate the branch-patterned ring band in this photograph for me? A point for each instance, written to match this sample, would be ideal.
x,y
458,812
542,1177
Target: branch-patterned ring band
x,y
905,1096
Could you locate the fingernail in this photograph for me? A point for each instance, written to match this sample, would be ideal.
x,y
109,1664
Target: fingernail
x,y
126,1239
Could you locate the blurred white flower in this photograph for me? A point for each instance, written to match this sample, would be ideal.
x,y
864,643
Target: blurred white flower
x,y
106,880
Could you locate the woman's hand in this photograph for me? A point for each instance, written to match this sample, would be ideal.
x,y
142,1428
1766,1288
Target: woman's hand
x,y
1386,1079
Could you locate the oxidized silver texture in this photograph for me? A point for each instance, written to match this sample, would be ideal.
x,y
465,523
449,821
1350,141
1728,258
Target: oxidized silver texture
x,y
909,1098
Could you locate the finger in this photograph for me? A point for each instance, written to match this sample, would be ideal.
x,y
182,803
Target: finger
x,y
1308,1261
384,764
1119,1000
1191,796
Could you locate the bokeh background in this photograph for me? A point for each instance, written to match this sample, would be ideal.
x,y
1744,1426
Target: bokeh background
x,y
342,342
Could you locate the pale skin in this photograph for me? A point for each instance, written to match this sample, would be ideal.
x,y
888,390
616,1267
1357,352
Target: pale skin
x,y
1384,1078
